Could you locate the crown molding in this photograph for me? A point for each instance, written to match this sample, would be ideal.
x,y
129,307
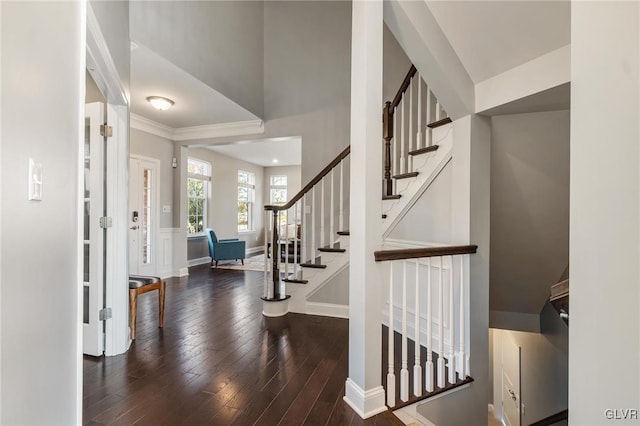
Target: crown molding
x,y
251,127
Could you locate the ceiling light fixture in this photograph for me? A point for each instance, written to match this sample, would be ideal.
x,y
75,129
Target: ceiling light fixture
x,y
160,103
275,160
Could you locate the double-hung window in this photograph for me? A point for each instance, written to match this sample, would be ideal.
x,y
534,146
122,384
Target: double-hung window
x,y
246,195
278,195
198,182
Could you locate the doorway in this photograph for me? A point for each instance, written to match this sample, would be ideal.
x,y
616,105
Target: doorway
x,y
511,370
144,215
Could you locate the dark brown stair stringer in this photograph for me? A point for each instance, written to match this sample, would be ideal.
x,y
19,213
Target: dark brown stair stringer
x,y
406,175
343,232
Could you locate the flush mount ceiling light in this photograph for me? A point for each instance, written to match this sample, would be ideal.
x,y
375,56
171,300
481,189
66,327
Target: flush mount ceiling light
x,y
275,160
160,103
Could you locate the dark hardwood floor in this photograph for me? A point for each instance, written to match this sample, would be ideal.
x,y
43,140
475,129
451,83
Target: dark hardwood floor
x,y
219,361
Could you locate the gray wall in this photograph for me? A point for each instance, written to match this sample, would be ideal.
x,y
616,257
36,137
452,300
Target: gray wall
x,y
148,145
544,367
223,204
395,64
429,220
41,91
113,18
218,42
335,291
529,209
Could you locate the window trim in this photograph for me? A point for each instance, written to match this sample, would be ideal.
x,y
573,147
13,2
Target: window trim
x,y
206,179
251,186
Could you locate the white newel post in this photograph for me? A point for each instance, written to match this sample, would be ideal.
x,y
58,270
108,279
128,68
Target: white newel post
x,y
363,391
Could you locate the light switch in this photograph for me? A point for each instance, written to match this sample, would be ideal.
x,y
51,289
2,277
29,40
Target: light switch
x,y
35,180
166,209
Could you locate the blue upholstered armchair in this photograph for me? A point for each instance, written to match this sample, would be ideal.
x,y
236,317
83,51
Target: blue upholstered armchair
x,y
227,249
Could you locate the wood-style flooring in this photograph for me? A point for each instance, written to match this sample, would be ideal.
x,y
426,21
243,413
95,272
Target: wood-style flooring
x,y
219,361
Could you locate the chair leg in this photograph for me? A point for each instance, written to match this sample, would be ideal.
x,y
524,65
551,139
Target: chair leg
x,y
216,263
133,308
242,261
161,294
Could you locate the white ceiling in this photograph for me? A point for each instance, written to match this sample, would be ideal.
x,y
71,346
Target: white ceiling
x,y
288,151
196,104
491,37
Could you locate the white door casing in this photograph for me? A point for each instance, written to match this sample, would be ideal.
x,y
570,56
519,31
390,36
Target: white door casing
x,y
93,264
144,215
511,368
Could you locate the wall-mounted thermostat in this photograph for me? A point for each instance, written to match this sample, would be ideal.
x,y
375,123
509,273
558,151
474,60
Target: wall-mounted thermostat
x,y
35,180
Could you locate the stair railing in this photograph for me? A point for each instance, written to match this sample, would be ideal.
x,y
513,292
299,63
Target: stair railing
x,y
281,221
433,278
412,120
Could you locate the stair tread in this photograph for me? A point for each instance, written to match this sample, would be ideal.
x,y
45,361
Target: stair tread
x,y
391,197
331,250
315,263
295,280
406,175
343,232
439,123
424,150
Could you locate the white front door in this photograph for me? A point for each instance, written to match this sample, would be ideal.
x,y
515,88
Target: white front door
x,y
511,359
93,265
143,215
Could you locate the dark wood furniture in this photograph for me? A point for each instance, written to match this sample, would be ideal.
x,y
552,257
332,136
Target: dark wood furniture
x,y
139,284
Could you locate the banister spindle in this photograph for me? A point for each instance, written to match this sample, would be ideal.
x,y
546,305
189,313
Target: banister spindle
x,y
428,141
441,374
417,368
391,376
322,213
411,136
404,372
395,162
286,245
438,110
461,355
296,240
402,139
341,220
452,359
305,240
428,368
332,230
312,246
419,134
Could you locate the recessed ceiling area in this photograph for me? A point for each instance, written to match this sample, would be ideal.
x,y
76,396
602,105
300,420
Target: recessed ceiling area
x,y
287,151
196,104
491,37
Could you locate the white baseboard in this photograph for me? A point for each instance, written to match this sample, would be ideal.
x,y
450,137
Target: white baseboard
x,y
198,261
327,310
182,272
254,250
365,403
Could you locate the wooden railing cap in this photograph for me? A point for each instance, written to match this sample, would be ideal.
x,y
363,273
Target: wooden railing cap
x,y
416,253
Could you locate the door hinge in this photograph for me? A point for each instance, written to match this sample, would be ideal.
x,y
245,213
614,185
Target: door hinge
x,y
105,314
106,222
106,130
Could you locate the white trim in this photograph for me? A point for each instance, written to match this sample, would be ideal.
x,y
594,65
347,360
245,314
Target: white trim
x,y
198,261
254,250
182,272
275,309
400,243
150,126
364,403
327,310
235,128
165,253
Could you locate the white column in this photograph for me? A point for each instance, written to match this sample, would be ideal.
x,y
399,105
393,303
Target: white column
x,y
364,392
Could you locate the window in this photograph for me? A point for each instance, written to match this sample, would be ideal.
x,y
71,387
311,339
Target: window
x,y
197,195
246,190
279,195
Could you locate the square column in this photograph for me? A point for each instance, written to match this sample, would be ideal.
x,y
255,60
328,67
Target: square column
x,y
364,392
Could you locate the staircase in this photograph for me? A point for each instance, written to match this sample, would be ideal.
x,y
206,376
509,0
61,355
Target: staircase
x,y
427,288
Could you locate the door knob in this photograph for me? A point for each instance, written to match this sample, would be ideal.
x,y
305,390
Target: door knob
x,y
134,227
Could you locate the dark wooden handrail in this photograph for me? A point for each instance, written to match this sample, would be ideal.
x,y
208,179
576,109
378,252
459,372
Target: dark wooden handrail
x,y
555,418
403,87
416,253
312,183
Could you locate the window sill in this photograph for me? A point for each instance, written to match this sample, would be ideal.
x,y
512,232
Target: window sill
x,y
248,231
196,236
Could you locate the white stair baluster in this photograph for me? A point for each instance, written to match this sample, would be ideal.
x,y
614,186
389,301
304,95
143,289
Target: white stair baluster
x,y
286,245
341,221
417,368
411,136
428,368
312,246
452,358
428,120
305,240
438,115
461,356
441,373
332,230
322,213
402,139
404,372
391,377
296,240
419,134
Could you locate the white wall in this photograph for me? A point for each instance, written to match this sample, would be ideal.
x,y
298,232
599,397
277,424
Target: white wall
x,y
605,206
152,146
218,42
529,211
223,204
42,91
544,367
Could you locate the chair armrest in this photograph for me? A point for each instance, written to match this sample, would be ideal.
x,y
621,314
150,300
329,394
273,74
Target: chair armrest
x,y
228,239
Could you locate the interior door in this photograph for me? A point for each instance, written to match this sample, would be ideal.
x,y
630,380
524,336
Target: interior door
x,y
143,216
511,360
93,265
